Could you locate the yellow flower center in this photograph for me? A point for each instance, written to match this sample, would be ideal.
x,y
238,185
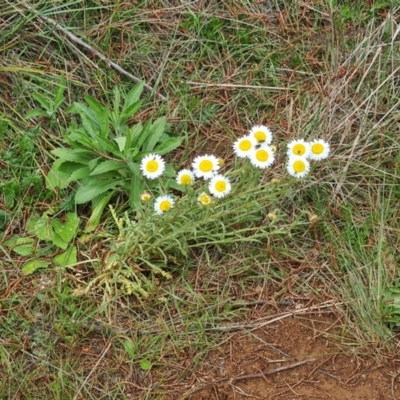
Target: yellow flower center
x,y
206,166
186,180
262,155
260,136
317,148
221,162
220,186
205,199
245,145
152,166
299,166
299,149
165,205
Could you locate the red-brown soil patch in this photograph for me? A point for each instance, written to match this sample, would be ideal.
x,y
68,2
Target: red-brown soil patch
x,y
293,359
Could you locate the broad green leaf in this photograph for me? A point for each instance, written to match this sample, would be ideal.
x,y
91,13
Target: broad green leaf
x,y
98,205
89,189
78,174
168,145
31,224
145,365
74,155
56,178
107,166
58,241
80,136
36,113
20,245
67,258
93,163
67,227
31,266
156,130
144,134
121,141
43,229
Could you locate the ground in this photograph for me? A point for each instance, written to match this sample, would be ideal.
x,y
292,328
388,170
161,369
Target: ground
x,y
293,359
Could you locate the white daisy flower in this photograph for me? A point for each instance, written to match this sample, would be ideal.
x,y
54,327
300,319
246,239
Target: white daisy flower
x,y
185,177
152,166
244,146
262,157
219,186
298,147
319,150
298,166
163,204
205,199
145,196
205,166
261,133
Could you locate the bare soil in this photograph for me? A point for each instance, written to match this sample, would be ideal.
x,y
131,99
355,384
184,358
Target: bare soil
x,y
293,359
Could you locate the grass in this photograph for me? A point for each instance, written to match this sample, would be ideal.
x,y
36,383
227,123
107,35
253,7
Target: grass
x,y
316,69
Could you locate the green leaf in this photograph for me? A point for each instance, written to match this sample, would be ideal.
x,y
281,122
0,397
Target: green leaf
x,y
42,228
59,95
36,113
129,112
42,101
67,258
107,166
66,228
74,155
31,266
20,245
78,174
102,115
58,241
128,346
56,178
136,189
145,364
168,145
133,96
89,189
156,130
98,205
121,141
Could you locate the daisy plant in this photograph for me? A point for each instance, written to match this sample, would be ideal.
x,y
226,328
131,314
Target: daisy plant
x,y
105,153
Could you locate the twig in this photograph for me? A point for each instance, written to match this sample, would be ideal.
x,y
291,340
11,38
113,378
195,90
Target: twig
x,y
93,369
228,85
270,372
90,48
